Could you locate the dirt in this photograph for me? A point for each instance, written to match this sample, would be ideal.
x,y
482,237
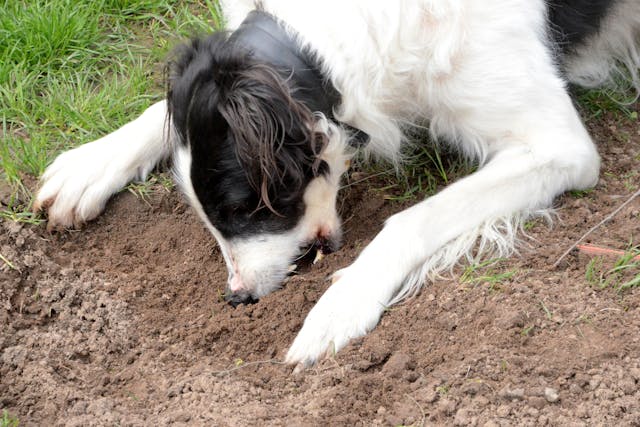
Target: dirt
x,y
123,323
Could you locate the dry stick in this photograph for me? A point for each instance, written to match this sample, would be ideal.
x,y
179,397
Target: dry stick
x,y
597,250
592,229
368,177
424,415
247,364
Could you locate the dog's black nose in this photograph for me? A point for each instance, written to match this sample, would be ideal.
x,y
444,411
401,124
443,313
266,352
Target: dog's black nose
x,y
327,245
235,299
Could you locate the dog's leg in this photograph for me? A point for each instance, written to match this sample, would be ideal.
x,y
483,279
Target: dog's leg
x,y
523,175
77,185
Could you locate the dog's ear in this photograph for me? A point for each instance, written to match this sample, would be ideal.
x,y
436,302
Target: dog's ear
x,y
190,70
275,134
217,90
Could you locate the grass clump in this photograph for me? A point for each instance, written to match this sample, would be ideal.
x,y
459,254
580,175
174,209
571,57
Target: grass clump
x,y
490,272
619,101
428,167
154,183
623,274
8,420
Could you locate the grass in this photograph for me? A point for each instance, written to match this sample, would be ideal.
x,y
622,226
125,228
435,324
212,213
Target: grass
x,y
8,263
527,330
490,272
154,182
8,420
595,103
545,309
623,274
427,169
443,390
579,194
74,70
18,211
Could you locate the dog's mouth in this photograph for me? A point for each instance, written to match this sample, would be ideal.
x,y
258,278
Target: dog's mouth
x,y
311,255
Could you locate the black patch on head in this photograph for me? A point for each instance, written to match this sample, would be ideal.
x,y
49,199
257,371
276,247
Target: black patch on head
x,y
573,21
252,145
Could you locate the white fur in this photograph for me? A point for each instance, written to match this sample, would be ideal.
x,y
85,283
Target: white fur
x,y
481,74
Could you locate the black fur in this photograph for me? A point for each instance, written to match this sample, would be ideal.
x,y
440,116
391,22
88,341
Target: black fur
x,y
252,145
573,21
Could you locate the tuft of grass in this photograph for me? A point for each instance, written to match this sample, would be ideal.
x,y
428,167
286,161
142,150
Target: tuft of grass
x,y
593,270
18,214
596,102
443,390
426,169
579,194
488,272
584,318
624,274
8,420
526,331
155,182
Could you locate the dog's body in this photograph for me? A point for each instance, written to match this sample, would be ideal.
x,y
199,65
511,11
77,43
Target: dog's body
x,y
260,158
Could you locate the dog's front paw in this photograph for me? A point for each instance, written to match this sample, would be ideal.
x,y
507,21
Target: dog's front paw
x,y
344,312
76,186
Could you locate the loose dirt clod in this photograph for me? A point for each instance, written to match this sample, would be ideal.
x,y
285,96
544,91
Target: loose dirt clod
x,y
551,395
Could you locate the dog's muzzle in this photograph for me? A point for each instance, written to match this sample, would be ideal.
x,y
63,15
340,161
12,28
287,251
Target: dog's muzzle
x,y
310,255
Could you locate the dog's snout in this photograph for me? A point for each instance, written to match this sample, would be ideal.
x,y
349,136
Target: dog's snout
x,y
235,299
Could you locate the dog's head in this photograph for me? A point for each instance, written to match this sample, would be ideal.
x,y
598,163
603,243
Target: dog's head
x,y
260,168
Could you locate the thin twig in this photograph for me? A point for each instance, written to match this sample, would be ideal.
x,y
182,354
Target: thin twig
x,y
247,364
368,177
424,414
592,229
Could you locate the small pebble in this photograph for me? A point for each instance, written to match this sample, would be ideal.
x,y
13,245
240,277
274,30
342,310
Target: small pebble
x,y
503,411
551,395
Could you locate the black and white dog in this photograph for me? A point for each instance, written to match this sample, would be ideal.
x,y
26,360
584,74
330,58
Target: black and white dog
x,y
261,123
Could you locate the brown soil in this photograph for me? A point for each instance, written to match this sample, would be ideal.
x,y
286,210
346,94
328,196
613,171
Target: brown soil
x,y
123,324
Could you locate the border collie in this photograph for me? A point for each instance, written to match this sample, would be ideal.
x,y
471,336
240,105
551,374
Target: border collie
x,y
262,120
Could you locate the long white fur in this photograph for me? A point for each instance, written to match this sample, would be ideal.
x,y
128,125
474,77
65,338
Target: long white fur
x,y
481,74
